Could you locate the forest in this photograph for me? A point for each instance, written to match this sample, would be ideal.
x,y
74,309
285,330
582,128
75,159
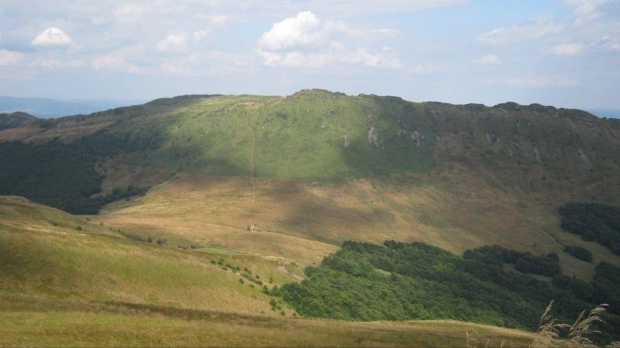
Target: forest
x,y
594,222
403,281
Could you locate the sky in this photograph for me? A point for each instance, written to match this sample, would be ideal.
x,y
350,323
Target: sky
x,y
564,53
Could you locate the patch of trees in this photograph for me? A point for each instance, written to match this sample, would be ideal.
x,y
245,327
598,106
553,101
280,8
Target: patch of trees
x,y
578,252
524,262
59,175
593,222
403,281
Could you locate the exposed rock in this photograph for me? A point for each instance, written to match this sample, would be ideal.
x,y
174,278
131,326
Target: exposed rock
x,y
415,135
488,139
346,143
537,154
373,136
583,156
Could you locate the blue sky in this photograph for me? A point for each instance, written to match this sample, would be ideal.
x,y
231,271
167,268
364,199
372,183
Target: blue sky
x,y
564,53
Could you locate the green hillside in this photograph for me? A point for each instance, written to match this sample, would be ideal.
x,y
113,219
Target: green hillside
x,y
319,135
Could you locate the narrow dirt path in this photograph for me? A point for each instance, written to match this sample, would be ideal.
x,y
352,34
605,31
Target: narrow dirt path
x,y
253,177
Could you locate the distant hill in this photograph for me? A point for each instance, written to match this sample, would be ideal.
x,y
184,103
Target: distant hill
x,y
15,119
613,113
50,108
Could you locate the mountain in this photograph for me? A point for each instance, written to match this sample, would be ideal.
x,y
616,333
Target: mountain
x,y
284,181
50,108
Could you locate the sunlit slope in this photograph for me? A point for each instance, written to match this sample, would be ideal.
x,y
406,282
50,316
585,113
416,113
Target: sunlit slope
x,y
67,281
47,253
302,221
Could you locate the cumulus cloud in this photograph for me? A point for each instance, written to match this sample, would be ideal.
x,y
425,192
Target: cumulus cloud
x,y
52,37
9,57
173,44
489,59
301,30
304,41
567,49
533,29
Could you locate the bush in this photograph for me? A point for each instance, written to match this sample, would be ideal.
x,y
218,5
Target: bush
x,y
578,252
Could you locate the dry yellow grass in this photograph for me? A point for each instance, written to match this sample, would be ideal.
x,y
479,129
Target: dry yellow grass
x,y
302,221
120,326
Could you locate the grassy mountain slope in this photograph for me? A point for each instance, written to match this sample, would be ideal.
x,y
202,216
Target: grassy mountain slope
x,y
274,184
64,280
325,167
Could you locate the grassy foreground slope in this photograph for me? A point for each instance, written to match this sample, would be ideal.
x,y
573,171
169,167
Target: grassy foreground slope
x,y
66,281
46,252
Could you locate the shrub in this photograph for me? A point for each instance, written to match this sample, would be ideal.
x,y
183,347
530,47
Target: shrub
x,y
578,252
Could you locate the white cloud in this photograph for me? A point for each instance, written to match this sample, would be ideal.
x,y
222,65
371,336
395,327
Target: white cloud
x,y
425,69
9,57
57,64
533,29
52,37
130,14
336,55
586,10
201,34
608,44
366,7
488,59
567,49
301,30
116,61
385,31
535,81
220,20
304,42
173,44
209,63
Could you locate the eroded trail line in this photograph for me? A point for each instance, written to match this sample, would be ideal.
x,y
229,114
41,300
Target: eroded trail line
x,y
253,177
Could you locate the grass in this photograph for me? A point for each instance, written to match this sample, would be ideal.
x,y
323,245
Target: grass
x,y
80,324
551,333
303,221
93,264
64,287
